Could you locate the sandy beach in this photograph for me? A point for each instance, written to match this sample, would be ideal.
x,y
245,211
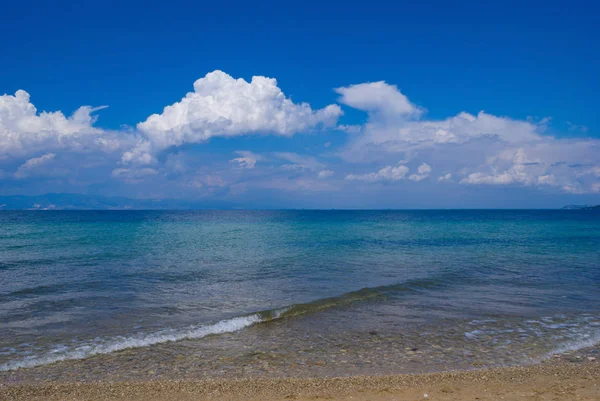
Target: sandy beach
x,y
560,381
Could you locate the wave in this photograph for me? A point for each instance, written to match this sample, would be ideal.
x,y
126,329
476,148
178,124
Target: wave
x,y
578,339
114,344
109,345
587,341
362,295
122,343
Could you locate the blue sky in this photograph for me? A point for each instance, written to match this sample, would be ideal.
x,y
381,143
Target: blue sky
x,y
375,104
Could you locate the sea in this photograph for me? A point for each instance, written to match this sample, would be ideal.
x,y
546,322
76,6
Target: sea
x,y
121,295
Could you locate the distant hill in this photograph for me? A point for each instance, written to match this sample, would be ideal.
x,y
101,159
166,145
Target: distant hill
x,y
581,207
97,202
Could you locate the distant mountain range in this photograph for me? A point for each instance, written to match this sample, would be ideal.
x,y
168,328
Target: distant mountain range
x,y
581,207
56,201
98,202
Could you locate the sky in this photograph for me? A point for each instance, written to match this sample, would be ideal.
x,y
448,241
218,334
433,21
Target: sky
x,y
303,105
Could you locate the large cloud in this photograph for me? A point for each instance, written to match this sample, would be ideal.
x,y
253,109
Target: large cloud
x,y
480,149
54,147
223,106
24,131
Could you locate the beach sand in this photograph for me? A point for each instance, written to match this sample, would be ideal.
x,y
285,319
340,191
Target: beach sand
x,y
551,381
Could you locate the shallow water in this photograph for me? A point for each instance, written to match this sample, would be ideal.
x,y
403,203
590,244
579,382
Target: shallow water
x,y
233,293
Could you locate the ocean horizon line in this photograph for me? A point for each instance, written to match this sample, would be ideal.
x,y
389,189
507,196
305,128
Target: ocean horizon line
x,y
281,209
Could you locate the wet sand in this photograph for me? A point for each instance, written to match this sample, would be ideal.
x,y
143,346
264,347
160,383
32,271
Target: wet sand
x,y
552,381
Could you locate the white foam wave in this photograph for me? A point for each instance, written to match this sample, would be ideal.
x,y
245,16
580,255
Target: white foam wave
x,y
120,343
585,341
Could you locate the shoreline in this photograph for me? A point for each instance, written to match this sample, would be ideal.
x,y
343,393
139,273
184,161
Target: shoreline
x,y
550,381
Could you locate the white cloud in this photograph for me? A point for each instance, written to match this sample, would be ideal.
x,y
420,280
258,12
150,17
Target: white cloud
x,y
247,160
73,152
389,173
24,131
140,154
481,149
325,174
377,97
299,162
548,161
243,162
384,136
31,165
594,171
350,129
423,172
133,175
445,177
494,179
222,106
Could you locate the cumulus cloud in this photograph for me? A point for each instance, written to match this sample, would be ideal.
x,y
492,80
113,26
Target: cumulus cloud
x,y
222,106
70,150
566,164
512,167
388,173
481,149
24,131
422,173
378,97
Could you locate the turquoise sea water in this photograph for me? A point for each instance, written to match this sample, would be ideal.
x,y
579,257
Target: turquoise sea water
x,y
217,285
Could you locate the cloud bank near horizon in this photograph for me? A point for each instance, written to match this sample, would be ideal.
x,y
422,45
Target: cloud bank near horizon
x,y
397,145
